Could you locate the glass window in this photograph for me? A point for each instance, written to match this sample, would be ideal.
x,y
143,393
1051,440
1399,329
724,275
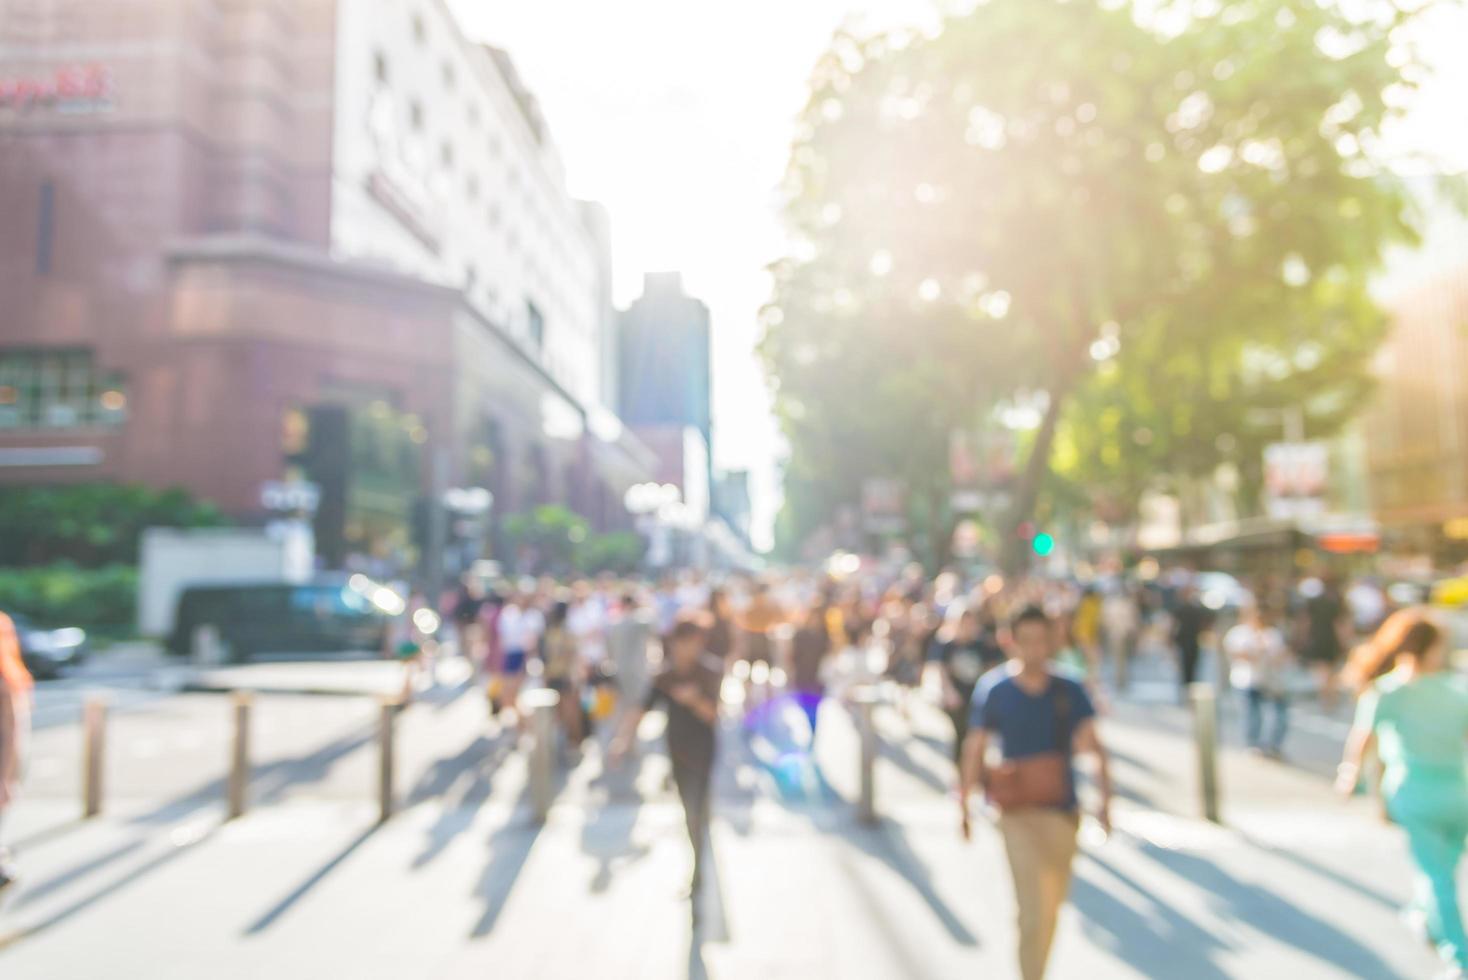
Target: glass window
x,y
58,389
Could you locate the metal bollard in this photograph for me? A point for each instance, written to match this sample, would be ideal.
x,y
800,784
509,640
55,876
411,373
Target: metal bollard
x,y
865,698
542,704
388,711
239,767
94,753
1205,731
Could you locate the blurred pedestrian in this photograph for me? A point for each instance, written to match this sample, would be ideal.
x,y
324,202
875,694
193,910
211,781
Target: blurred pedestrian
x,y
561,668
965,654
520,626
467,607
720,626
1413,714
1326,625
1259,661
687,689
628,637
1121,620
1085,630
756,624
1041,720
1190,620
15,705
808,652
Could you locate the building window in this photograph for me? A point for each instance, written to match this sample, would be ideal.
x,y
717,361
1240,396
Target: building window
x,y
379,67
415,115
420,30
537,325
58,389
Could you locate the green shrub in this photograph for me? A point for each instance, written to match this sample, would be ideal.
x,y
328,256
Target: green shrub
x,y
91,524
98,599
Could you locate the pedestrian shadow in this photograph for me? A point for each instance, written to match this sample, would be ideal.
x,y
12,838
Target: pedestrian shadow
x,y
607,836
168,856
78,871
940,747
712,926
888,843
904,761
1329,874
1271,914
509,849
46,835
479,760
1128,759
269,782
442,698
1148,942
272,915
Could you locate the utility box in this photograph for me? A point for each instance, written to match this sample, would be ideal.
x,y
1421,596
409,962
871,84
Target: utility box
x,y
171,559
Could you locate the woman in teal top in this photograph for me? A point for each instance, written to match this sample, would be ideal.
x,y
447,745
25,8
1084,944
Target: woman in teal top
x,y
1413,711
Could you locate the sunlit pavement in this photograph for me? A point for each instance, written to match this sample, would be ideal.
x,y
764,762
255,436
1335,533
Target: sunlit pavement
x,y
463,883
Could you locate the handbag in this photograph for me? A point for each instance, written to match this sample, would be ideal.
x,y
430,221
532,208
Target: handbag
x,y
1040,780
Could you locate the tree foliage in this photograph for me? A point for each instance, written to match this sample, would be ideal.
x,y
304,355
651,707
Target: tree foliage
x,y
556,539
91,524
1147,223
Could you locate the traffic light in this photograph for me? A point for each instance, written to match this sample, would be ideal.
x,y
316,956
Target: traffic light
x,y
1043,545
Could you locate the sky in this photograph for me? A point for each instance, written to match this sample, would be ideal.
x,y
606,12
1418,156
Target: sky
x,y
678,116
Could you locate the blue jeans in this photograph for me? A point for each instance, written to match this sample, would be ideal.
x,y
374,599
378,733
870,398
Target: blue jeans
x,y
1254,700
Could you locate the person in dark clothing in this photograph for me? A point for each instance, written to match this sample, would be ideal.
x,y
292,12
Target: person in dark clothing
x,y
687,689
1190,620
968,651
809,648
720,626
1326,625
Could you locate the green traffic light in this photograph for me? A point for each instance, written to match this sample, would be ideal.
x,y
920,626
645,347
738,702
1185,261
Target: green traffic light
x,y
1043,544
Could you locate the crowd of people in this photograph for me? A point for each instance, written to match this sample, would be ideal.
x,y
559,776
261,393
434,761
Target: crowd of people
x,y
1022,669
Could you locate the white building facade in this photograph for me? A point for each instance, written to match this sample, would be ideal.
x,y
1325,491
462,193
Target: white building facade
x,y
444,169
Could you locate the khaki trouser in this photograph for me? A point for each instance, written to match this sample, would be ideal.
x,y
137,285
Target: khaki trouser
x,y
1041,845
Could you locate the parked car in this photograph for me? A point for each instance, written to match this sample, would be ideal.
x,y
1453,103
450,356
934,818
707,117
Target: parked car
x,y
48,652
332,614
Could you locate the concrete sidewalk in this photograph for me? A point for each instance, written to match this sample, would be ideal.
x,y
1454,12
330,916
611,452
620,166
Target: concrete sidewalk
x,y
463,883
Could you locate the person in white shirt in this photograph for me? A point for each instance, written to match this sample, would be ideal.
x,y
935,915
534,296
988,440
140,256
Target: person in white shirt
x,y
588,624
1259,660
520,627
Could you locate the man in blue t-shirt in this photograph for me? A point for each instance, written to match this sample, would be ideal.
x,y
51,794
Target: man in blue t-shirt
x,y
1037,714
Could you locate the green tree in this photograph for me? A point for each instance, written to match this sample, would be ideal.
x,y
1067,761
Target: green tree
x,y
548,537
91,524
1085,206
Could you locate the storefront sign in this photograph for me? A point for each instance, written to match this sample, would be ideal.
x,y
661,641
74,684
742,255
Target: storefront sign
x,y
72,89
290,496
1296,475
